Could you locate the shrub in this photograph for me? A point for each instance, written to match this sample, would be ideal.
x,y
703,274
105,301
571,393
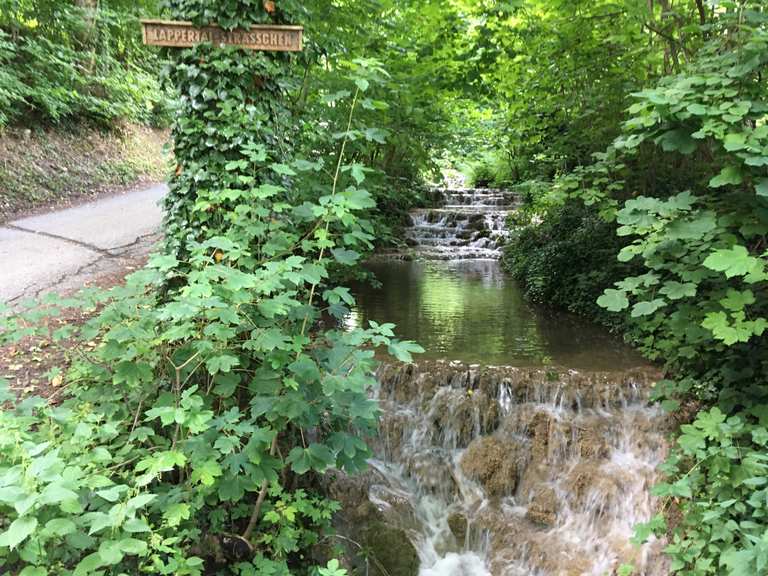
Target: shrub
x,y
566,260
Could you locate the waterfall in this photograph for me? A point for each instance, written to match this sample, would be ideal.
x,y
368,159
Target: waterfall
x,y
466,224
500,470
518,472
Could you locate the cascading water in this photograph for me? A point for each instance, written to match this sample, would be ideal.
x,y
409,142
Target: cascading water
x,y
467,224
518,472
499,470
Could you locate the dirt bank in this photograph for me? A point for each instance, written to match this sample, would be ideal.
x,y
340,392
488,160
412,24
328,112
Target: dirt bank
x,y
62,167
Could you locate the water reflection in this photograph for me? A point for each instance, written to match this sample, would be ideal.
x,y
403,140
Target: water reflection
x,y
469,310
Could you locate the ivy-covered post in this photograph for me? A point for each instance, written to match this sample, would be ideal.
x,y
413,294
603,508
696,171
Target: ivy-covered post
x,y
254,239
231,124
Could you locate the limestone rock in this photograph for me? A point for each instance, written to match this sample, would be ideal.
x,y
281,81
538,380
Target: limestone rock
x,y
543,507
494,464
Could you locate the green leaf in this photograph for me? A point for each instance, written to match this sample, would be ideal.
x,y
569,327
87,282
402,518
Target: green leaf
x,y
19,530
176,513
735,261
761,187
735,141
133,547
34,571
222,363
283,169
678,140
89,564
613,300
647,308
739,562
403,350
132,373
730,175
140,501
345,257
362,84
57,494
737,301
358,173
110,553
112,494
677,291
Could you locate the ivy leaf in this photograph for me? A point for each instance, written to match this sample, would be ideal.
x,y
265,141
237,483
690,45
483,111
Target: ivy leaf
x,y
613,300
19,530
728,175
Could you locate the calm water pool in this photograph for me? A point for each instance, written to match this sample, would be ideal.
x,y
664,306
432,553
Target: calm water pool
x,y
470,310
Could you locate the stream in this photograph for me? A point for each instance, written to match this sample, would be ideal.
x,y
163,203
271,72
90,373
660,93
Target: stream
x,y
522,442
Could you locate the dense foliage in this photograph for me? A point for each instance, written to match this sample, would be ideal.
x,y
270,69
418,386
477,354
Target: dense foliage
x,y
208,393
562,262
684,185
62,61
205,395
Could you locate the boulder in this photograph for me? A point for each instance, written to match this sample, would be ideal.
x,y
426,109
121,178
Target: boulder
x,y
388,551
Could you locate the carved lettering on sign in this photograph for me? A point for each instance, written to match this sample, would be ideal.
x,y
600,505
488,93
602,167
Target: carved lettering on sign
x,y
186,35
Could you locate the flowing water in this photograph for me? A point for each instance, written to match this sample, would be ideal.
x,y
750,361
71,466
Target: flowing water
x,y
491,461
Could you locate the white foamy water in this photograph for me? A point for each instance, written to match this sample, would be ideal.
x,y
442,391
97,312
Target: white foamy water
x,y
517,472
468,564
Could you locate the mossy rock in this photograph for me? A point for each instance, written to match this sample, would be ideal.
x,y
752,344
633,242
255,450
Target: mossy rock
x,y
459,527
389,551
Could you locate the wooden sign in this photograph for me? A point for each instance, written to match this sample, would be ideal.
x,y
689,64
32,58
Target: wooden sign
x,y
259,37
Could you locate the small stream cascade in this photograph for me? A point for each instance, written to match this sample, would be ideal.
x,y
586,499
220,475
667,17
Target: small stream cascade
x,y
483,470
502,471
467,223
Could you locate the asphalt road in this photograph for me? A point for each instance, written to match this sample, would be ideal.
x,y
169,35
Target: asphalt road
x,y
62,251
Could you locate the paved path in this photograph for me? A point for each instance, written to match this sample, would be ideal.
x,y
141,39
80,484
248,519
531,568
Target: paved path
x,y
63,250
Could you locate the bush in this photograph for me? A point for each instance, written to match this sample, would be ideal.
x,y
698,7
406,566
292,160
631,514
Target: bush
x,y
566,260
491,171
66,64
